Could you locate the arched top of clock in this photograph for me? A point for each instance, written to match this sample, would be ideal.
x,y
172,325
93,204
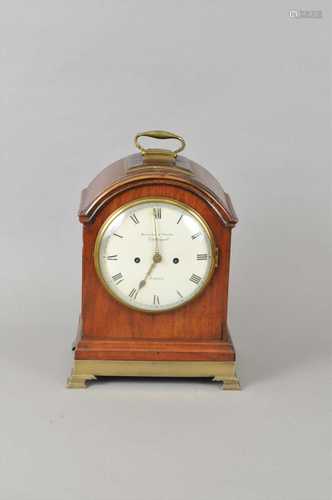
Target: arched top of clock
x,y
136,170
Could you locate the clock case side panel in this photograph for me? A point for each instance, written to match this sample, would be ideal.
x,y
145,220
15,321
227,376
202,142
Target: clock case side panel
x,y
196,331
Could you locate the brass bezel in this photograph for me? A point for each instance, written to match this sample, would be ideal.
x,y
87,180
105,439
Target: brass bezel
x,y
138,201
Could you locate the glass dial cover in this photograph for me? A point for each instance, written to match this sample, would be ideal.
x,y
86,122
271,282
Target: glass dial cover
x,y
155,254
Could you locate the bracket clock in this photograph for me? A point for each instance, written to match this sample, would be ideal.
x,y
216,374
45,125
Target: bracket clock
x,y
156,257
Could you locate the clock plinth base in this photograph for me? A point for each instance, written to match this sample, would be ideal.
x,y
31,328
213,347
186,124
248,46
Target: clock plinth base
x,y
222,371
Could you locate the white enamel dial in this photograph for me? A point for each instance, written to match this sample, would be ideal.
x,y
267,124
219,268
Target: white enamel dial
x,y
154,254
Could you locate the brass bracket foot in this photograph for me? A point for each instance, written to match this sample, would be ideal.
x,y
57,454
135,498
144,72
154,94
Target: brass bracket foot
x,y
78,381
229,384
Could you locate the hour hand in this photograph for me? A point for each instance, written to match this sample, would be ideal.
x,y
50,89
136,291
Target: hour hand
x,y
143,282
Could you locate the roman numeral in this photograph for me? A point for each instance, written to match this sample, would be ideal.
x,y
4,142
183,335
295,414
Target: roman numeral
x,y
179,294
202,256
156,300
157,213
118,278
180,218
194,236
111,257
133,293
195,279
118,235
134,219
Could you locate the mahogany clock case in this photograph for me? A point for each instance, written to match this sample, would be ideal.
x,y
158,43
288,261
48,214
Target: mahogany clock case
x,y
192,340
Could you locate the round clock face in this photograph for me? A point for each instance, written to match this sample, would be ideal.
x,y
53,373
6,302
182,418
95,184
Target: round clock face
x,y
155,254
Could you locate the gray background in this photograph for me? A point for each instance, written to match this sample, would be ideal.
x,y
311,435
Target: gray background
x,y
248,87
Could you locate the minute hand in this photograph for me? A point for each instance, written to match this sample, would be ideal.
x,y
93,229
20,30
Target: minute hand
x,y
156,236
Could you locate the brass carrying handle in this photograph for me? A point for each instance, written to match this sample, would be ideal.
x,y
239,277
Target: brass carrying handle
x,y
159,134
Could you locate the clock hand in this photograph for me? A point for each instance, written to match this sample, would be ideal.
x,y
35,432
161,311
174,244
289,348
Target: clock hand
x,y
143,282
156,252
156,258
